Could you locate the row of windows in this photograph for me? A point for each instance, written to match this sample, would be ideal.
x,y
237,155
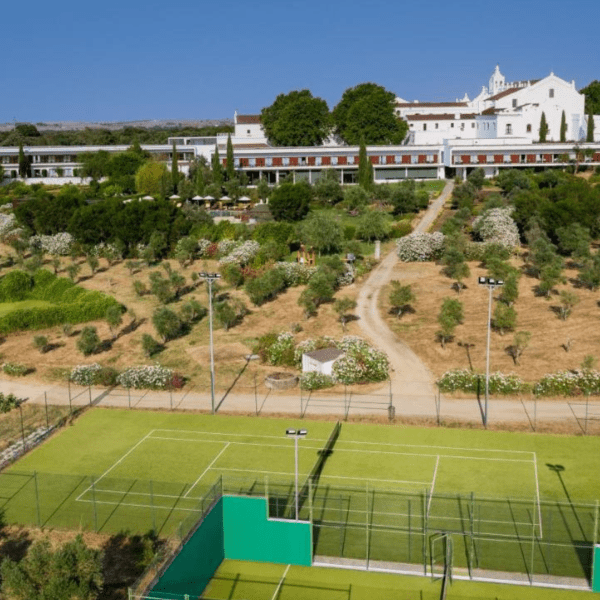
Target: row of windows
x,y
334,160
519,158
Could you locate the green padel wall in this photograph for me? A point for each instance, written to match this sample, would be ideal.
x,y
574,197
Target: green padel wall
x,y
250,535
197,562
596,569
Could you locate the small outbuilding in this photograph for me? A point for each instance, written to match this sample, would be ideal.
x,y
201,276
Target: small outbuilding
x,y
321,361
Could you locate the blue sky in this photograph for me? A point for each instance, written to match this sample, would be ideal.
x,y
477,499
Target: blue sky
x,y
127,60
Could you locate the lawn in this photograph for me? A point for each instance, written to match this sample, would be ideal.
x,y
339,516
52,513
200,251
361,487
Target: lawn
x,y
509,501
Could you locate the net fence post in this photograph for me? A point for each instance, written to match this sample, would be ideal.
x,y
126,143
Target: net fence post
x,y
70,401
171,399
595,523
255,396
367,523
152,509
409,532
90,392
22,426
46,406
37,500
471,529
93,488
129,396
425,498
310,499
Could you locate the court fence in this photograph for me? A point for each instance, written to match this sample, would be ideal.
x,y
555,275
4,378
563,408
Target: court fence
x,y
536,540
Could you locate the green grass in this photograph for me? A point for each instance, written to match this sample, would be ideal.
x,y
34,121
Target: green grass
x,y
510,501
239,580
7,307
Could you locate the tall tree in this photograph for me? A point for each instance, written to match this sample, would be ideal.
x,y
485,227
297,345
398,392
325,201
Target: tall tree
x,y
590,128
563,127
365,168
24,163
592,97
543,128
217,168
367,112
296,119
174,168
230,166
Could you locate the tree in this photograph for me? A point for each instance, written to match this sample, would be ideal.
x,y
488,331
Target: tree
x,y
263,189
590,128
322,232
327,188
167,323
451,314
150,346
41,343
342,307
114,318
563,127
93,262
290,201
521,341
366,113
401,297
592,97
174,167
88,342
230,313
230,165
505,318
151,177
568,300
543,128
456,268
94,164
217,168
365,174
510,289
73,571
296,119
72,271
373,225
24,163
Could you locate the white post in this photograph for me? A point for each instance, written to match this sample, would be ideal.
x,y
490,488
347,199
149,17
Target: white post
x,y
296,471
212,355
487,358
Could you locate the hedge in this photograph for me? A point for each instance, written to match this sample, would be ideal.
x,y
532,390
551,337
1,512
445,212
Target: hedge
x,y
73,304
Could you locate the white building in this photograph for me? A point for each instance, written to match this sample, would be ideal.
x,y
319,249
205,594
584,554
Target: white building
x,y
503,110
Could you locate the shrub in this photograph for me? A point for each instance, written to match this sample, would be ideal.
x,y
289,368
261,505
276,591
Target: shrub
x,y
150,346
361,363
265,287
8,402
568,383
232,274
465,380
263,346
167,323
281,351
420,246
497,226
153,377
15,286
15,369
41,343
93,374
88,342
315,381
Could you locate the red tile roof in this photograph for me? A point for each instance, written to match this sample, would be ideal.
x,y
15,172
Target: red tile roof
x,y
248,119
441,117
504,93
430,104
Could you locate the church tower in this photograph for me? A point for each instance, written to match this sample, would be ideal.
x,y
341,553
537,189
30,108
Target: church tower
x,y
497,82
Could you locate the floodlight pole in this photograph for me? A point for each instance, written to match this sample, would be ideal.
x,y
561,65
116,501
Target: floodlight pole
x,y
210,278
491,284
296,434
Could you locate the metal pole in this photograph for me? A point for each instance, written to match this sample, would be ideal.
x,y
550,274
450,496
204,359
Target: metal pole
x,y
587,403
22,426
46,405
90,392
70,405
296,469
487,357
212,357
37,500
255,396
129,396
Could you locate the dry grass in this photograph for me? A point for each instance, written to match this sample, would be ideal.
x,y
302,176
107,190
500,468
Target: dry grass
x,y
534,314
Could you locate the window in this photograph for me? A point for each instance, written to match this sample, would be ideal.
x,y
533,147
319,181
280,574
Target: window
x,y
236,162
252,162
514,103
424,126
317,160
508,129
248,131
528,127
473,126
269,162
413,159
286,161
551,92
334,160
451,124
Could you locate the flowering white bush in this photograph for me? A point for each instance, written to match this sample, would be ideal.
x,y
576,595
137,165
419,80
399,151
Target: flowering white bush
x,y
224,247
282,350
497,226
312,344
203,246
361,362
346,278
85,374
241,255
58,244
315,381
295,273
420,247
105,249
8,225
147,377
466,380
568,383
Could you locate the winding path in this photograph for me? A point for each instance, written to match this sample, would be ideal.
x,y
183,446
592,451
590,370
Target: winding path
x,y
411,380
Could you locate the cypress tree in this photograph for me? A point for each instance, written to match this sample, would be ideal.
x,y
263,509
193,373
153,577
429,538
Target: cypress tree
x,y
365,168
230,167
217,168
590,128
563,127
23,162
543,128
174,169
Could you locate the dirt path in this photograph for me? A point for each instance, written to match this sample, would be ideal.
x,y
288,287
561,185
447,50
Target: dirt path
x,y
411,379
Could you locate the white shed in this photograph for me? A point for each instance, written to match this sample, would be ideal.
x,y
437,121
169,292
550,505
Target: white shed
x,y
320,361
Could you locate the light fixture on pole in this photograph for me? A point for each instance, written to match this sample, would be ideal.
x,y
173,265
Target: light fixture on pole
x,y
296,434
491,284
210,278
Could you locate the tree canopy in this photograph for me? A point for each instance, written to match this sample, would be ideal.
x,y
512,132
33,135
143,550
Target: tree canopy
x,y
592,97
290,201
366,112
296,119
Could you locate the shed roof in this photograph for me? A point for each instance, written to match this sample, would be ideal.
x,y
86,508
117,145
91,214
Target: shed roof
x,y
325,354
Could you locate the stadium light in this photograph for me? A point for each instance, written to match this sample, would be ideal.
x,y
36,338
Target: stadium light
x,y
491,284
296,434
210,278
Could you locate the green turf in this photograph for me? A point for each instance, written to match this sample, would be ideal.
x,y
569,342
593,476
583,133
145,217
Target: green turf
x,y
510,501
237,580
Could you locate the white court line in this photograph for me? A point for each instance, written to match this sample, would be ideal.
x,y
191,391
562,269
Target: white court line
x,y
537,491
116,464
140,505
247,435
420,454
437,464
280,582
207,469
